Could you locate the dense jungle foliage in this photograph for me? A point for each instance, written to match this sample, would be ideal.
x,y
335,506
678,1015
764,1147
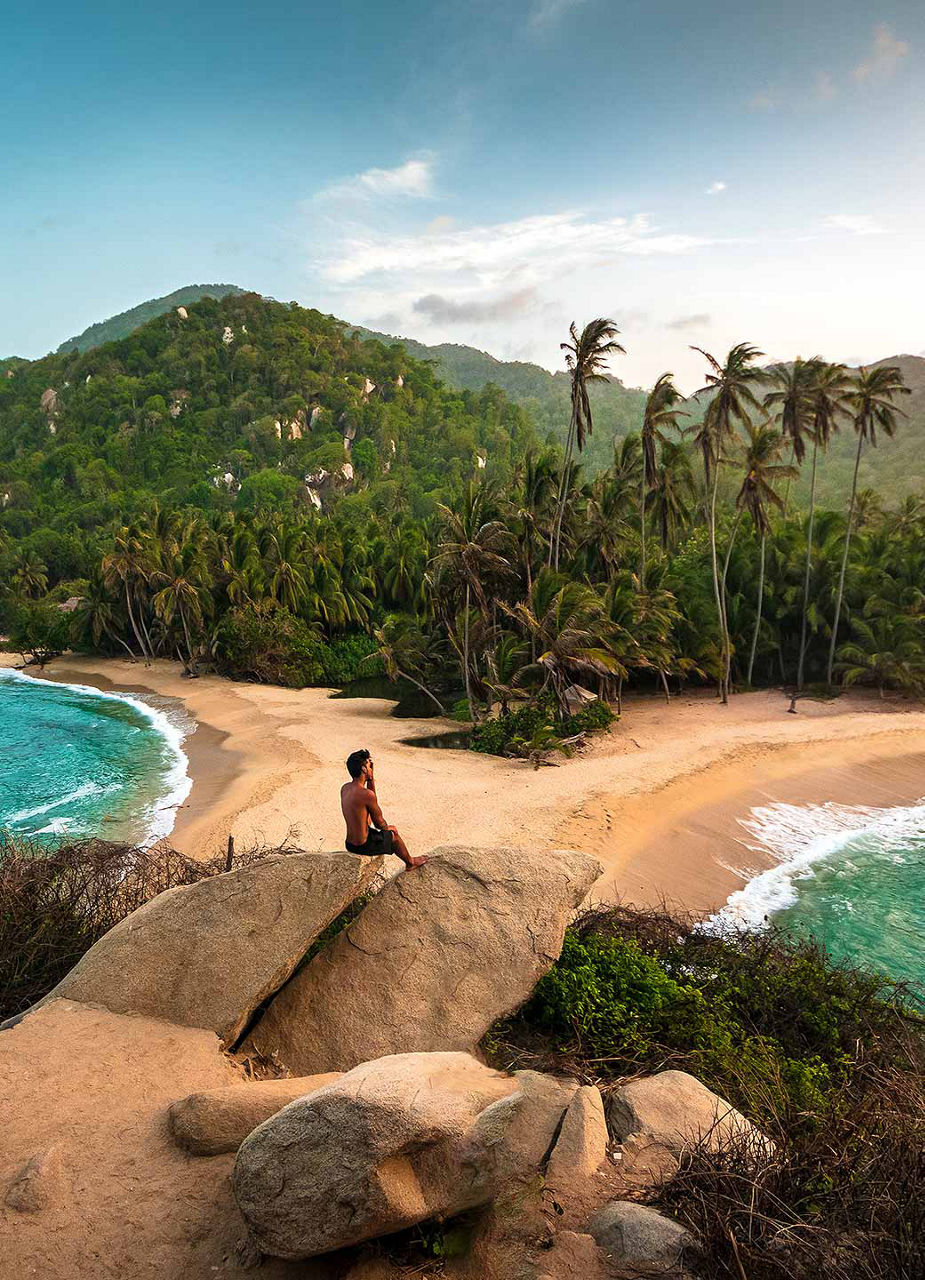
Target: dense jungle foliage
x,y
253,486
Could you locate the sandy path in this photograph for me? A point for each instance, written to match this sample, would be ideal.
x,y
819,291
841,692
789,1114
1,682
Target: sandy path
x,y
656,799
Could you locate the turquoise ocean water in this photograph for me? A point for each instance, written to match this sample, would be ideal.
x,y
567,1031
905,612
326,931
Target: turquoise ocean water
x,y
853,876
76,762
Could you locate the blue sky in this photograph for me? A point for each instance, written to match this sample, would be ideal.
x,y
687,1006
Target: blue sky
x,y
483,171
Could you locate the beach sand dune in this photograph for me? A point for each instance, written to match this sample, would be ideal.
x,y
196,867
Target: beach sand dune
x,y
657,799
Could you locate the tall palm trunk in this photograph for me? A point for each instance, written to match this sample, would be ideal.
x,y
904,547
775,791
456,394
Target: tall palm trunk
x,y
716,591
473,712
131,618
809,561
642,527
751,656
844,562
728,638
562,495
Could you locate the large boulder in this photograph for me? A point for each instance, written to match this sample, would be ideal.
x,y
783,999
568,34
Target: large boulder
x,y
208,954
390,1144
441,952
640,1240
219,1120
678,1111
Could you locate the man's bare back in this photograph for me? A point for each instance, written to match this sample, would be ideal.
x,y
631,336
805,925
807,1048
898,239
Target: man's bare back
x,y
367,830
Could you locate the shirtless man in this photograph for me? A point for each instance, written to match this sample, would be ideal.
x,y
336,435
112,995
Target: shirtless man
x,y
367,832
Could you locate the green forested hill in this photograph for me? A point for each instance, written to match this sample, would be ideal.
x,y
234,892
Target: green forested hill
x,y
617,409
243,400
127,322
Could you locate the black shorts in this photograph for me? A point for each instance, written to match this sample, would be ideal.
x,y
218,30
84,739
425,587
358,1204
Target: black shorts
x,y
377,843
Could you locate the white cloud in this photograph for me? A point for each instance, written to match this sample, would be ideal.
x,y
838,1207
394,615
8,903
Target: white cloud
x,y
547,12
884,56
715,188
412,179
490,257
859,224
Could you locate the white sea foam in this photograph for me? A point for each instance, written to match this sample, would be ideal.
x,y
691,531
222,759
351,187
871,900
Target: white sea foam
x,y
160,816
798,837
86,789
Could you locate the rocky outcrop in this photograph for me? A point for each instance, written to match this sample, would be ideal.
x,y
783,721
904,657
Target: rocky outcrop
x,y
642,1241
581,1146
219,1120
391,1144
432,962
91,1185
208,954
677,1111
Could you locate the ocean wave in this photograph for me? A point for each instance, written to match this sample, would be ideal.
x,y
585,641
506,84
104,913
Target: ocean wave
x,y
159,816
79,793
799,837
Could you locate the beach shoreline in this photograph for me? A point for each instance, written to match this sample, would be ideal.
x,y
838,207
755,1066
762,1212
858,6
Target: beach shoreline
x,y
658,799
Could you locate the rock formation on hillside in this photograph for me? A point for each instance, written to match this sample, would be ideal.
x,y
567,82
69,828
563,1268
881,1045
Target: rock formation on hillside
x,y
432,962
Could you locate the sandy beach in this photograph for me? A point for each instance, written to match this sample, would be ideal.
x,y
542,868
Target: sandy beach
x,y
658,799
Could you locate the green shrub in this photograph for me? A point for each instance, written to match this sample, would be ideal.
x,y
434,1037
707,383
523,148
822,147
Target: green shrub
x,y
773,1024
349,657
270,645
512,731
39,629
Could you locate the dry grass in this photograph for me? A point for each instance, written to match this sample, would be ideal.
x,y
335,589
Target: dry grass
x,y
56,902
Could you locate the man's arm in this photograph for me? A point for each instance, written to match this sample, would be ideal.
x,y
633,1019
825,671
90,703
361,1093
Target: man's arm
x,y
372,808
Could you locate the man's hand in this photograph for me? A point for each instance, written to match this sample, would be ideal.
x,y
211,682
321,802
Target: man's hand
x,y
370,776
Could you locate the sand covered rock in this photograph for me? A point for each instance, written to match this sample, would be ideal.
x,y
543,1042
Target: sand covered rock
x,y
441,952
678,1111
640,1240
91,1185
390,1144
219,1120
582,1142
207,954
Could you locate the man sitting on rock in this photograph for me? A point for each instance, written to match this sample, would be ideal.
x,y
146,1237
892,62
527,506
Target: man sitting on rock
x,y
367,832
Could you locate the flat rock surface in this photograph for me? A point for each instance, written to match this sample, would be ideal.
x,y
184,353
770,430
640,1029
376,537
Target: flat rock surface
x,y
435,958
207,954
118,1200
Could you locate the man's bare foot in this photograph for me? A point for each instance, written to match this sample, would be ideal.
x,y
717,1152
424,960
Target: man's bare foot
x,y
417,862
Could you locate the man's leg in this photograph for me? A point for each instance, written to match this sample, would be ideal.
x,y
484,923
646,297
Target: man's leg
x,y
401,850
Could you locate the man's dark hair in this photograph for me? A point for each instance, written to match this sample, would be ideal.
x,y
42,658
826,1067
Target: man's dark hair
x,y
355,762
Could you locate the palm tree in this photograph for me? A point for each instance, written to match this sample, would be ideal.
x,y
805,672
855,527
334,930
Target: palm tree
x,y
732,400
287,570
757,495
660,415
571,634
184,579
95,615
402,649
532,505
585,357
473,549
674,491
128,565
828,392
871,401
791,402
30,576
887,649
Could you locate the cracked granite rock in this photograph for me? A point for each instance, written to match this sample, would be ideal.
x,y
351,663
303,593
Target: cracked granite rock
x,y
441,953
